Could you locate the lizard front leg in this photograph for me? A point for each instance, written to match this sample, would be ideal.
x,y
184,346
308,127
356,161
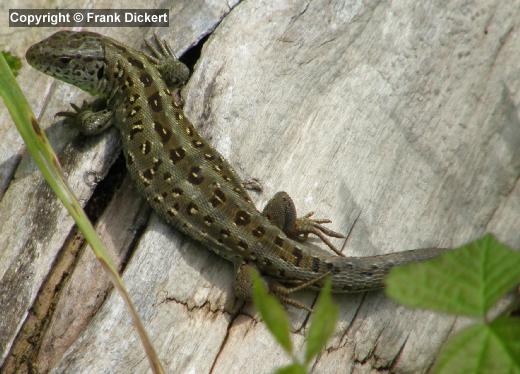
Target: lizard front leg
x,y
92,118
174,73
280,210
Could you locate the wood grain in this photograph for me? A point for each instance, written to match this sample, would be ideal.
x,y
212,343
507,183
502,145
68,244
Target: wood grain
x,y
398,122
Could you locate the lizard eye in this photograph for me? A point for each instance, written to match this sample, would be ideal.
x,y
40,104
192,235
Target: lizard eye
x,y
64,60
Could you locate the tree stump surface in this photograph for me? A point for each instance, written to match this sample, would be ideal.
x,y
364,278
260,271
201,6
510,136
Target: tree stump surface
x,y
398,122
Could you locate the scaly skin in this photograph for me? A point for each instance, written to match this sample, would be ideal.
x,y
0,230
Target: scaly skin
x,y
187,182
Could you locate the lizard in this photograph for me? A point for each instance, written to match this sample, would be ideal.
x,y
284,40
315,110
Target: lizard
x,y
187,182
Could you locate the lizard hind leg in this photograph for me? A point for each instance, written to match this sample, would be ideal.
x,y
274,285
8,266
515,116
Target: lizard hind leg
x,y
283,292
243,287
280,210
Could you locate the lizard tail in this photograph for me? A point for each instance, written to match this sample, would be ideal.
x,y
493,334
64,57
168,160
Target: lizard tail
x,y
359,274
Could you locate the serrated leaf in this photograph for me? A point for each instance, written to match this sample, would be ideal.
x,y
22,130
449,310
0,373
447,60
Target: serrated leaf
x,y
272,313
292,369
323,322
493,348
14,62
468,280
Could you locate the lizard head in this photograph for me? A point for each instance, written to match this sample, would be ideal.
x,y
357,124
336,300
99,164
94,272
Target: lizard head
x,y
73,57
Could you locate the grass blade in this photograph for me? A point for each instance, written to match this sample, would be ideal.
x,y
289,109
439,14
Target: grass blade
x,y
40,149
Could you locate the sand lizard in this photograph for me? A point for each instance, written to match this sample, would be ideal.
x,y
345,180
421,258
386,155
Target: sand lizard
x,y
186,181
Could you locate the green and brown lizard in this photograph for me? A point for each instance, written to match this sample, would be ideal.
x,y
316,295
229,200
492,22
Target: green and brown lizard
x,y
187,182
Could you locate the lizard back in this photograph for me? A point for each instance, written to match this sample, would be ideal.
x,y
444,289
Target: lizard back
x,y
186,181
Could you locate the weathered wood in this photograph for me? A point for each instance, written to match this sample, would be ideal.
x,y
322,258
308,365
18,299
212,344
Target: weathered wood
x,y
34,227
398,122
76,285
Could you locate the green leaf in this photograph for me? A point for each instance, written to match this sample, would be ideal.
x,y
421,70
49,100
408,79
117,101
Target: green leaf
x,y
468,280
14,62
272,313
323,322
292,369
493,348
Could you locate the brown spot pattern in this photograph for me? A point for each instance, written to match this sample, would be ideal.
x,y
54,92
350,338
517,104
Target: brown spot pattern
x,y
134,111
259,231
176,192
164,133
146,147
155,102
146,182
220,195
146,79
129,159
177,154
173,210
148,174
225,233
135,62
135,129
242,218
242,245
192,208
156,164
195,176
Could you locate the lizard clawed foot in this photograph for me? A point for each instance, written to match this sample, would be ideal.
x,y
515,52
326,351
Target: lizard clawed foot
x,y
307,225
282,292
70,116
174,72
90,118
163,51
287,300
